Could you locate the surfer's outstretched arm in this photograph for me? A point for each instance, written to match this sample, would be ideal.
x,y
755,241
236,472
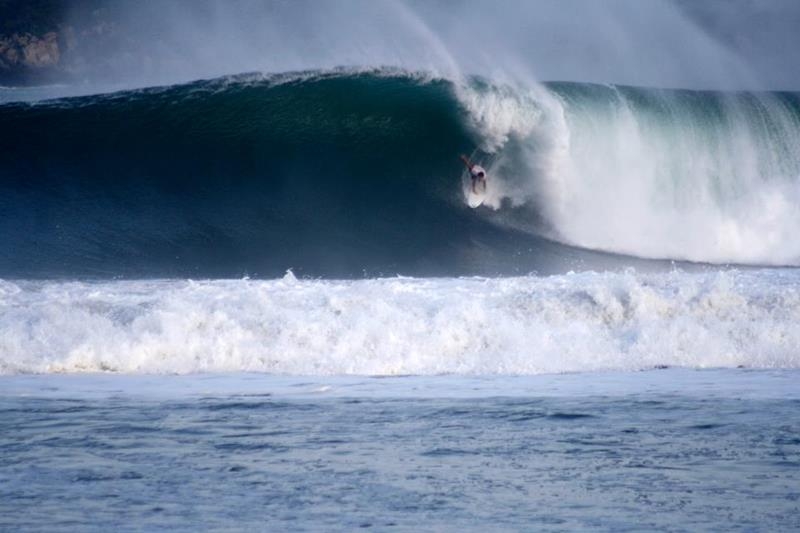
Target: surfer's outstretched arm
x,y
466,161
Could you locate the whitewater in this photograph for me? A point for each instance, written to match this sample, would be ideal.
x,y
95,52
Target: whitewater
x,y
580,322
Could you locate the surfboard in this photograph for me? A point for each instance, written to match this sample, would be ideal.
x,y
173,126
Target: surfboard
x,y
475,198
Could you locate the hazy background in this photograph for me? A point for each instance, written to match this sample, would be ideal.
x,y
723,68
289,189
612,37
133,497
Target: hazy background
x,y
722,44
684,43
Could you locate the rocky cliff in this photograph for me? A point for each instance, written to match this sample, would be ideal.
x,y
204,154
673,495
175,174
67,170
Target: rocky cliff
x,y
27,51
41,39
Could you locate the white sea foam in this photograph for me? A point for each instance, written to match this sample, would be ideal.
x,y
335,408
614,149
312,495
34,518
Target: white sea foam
x,y
684,186
529,325
717,181
500,112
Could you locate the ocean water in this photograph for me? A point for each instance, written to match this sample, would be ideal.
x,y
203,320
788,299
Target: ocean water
x,y
671,450
260,302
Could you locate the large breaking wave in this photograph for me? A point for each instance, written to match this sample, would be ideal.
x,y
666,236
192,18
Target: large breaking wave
x,y
346,174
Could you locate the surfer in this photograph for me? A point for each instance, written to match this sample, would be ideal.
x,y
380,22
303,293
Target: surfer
x,y
476,172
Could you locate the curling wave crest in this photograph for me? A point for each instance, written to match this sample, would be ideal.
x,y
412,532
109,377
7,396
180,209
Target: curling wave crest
x,y
344,173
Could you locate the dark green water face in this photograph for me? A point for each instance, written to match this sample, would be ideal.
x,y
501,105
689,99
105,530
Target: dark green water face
x,y
340,176
329,176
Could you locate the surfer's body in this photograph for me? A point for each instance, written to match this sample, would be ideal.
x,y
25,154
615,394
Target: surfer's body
x,y
476,172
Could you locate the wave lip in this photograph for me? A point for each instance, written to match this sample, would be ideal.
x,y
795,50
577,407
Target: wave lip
x,y
585,322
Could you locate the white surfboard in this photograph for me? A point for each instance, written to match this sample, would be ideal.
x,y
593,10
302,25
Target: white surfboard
x,y
476,198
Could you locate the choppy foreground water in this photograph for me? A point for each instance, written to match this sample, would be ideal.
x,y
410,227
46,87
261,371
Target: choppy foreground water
x,y
668,450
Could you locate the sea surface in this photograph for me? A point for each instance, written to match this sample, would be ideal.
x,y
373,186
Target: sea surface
x,y
260,302
668,450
